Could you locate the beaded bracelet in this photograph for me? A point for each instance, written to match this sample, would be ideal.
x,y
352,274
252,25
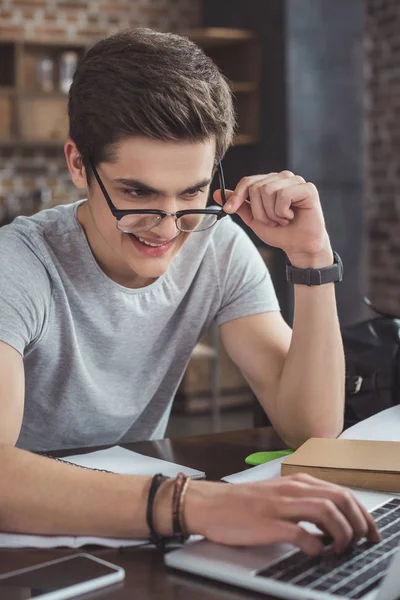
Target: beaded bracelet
x,y
180,532
181,516
157,539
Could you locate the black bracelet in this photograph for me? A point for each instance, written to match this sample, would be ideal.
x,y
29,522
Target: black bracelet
x,y
157,481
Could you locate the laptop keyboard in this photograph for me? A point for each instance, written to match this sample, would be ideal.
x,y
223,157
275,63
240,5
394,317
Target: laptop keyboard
x,y
352,574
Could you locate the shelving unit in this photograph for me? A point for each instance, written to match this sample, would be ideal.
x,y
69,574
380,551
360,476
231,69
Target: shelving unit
x,y
237,54
29,115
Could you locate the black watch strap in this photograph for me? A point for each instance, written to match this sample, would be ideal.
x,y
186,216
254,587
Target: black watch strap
x,y
331,274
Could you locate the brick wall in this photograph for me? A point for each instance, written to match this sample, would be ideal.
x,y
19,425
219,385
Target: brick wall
x,y
383,151
23,170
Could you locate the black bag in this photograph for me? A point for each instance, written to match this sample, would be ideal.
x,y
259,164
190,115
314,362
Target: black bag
x,y
372,353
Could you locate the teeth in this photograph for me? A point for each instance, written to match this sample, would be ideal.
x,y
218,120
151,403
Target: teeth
x,y
149,243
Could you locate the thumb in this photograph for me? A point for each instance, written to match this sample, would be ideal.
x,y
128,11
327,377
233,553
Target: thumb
x,y
243,211
218,196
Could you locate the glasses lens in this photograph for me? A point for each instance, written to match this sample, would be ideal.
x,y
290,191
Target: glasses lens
x,y
136,223
196,222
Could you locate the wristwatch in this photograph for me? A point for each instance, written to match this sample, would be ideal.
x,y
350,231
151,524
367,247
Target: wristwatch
x,y
332,274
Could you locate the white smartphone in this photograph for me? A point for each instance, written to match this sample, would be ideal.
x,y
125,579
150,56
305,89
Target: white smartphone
x,y
60,578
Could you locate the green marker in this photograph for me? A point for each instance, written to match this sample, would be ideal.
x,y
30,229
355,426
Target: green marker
x,y
258,458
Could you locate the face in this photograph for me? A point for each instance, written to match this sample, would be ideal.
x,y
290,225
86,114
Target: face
x,y
144,174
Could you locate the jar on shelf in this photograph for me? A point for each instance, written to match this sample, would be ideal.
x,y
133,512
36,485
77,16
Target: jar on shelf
x,y
68,64
45,74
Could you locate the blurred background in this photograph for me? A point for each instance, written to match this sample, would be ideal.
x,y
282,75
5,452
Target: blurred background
x,y
317,91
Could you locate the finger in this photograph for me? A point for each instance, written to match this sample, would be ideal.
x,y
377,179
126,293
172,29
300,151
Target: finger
x,y
372,531
373,534
217,196
322,512
359,518
242,189
282,204
352,510
263,205
241,192
283,208
278,205
258,208
244,211
302,195
309,543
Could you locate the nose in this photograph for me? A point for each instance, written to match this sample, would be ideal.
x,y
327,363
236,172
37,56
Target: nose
x,y
167,228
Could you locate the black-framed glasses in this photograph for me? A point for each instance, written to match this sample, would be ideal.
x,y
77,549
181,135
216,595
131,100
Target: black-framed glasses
x,y
192,220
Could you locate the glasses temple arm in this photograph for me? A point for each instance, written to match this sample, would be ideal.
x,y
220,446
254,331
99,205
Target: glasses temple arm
x,y
102,187
222,182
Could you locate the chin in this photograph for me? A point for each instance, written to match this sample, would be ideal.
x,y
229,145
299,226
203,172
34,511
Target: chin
x,y
152,273
144,261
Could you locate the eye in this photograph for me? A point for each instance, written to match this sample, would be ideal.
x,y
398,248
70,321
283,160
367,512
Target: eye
x,y
194,193
135,193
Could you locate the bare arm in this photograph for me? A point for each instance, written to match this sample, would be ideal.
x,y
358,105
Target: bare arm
x,y
297,377
310,400
300,385
46,496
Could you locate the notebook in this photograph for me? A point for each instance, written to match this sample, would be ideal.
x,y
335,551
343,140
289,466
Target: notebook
x,y
365,464
125,462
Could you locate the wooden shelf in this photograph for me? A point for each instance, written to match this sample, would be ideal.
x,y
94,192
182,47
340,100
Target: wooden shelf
x,y
49,41
245,139
44,95
218,36
237,54
8,142
235,51
6,90
244,87
29,116
30,143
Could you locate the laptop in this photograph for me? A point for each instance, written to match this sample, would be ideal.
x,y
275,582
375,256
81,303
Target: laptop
x,y
367,572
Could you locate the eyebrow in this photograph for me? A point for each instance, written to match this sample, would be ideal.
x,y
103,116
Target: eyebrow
x,y
136,184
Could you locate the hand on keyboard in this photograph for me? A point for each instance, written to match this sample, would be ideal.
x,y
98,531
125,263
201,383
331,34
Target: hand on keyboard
x,y
270,511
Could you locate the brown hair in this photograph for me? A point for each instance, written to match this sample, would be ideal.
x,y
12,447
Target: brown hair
x,y
144,82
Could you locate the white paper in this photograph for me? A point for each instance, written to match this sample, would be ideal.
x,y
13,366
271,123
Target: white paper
x,y
268,470
115,459
123,461
16,540
384,426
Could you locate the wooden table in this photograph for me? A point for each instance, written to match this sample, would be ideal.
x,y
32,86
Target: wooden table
x,y
146,575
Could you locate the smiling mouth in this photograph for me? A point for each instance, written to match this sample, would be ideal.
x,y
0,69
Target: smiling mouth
x,y
152,244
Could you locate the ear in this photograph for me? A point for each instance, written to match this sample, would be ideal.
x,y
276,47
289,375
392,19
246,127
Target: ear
x,y
75,165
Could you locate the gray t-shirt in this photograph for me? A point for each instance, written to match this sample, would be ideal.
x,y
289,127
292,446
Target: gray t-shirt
x,y
103,362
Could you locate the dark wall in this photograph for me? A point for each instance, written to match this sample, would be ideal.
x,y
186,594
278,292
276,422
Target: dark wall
x,y
312,117
382,120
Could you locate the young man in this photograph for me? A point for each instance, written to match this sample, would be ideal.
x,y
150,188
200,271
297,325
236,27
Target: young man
x,y
102,302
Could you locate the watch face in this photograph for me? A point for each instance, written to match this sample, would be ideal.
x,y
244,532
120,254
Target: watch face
x,y
339,263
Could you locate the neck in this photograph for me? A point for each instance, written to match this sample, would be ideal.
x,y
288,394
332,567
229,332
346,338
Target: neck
x,y
108,259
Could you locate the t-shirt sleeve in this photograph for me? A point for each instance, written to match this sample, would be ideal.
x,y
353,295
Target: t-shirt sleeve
x,y
25,290
245,283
